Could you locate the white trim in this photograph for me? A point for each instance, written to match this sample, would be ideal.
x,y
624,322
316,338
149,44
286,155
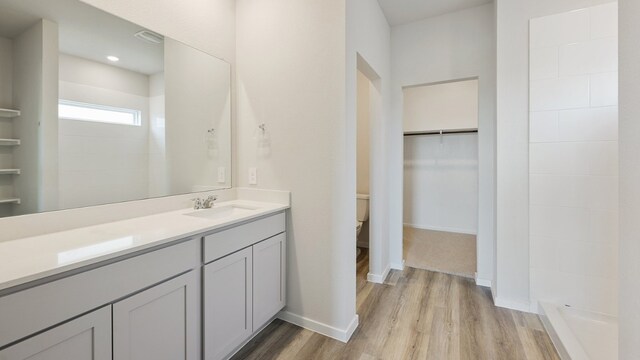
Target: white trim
x,y
379,278
320,328
535,308
443,228
363,244
396,266
493,294
513,305
353,325
483,282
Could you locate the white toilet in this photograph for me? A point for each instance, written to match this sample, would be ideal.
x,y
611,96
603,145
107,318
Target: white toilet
x,y
362,212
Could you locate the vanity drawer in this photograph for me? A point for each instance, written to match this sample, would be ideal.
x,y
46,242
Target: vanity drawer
x,y
228,241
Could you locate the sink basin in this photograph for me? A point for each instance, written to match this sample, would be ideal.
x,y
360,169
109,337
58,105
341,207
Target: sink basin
x,y
219,212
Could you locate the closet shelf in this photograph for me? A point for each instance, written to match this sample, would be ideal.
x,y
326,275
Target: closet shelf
x,y
9,113
9,171
441,132
9,142
10,201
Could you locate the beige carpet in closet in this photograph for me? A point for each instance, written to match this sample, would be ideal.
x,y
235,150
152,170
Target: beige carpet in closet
x,y
449,253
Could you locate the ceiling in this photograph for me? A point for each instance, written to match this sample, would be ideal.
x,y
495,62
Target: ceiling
x,y
400,12
84,32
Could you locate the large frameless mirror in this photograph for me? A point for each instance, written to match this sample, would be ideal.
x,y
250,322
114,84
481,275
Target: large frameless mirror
x,y
95,109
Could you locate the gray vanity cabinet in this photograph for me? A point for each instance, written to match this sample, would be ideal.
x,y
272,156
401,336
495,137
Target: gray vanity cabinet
x,y
268,279
198,298
227,304
87,337
243,283
160,323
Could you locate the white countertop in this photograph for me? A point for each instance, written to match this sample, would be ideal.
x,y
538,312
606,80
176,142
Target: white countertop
x,y
28,259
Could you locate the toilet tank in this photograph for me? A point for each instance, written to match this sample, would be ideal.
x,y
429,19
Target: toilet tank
x,y
362,207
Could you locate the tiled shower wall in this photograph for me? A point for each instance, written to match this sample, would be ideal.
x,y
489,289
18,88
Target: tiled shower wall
x,y
573,159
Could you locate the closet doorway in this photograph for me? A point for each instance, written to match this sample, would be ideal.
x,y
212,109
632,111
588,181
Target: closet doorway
x,y
441,176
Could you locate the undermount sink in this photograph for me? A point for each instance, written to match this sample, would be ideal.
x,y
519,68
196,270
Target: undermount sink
x,y
219,212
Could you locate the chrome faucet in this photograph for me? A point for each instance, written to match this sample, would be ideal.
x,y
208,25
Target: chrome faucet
x,y
208,202
197,204
200,203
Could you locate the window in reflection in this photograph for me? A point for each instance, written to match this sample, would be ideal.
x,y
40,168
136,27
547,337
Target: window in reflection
x,y
72,110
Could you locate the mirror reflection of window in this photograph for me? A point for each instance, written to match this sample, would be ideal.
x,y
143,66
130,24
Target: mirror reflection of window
x,y
71,110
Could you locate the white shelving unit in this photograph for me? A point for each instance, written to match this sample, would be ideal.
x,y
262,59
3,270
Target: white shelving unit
x,y
10,201
9,113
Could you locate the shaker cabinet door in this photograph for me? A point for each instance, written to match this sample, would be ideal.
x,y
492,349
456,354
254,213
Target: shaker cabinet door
x,y
269,259
85,338
227,304
160,323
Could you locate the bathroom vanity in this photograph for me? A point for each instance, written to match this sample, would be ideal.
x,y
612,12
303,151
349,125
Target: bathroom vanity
x,y
178,285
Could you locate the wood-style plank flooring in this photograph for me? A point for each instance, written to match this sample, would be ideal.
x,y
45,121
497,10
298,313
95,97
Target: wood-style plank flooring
x,y
416,314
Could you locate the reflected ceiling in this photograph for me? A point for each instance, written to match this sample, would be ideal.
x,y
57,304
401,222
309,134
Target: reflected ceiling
x,y
84,32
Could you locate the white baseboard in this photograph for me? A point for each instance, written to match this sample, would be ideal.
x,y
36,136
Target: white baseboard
x,y
493,294
379,278
353,325
320,328
534,308
483,282
443,228
398,266
363,244
513,305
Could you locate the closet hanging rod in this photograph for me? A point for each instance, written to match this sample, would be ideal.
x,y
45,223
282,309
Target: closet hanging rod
x,y
442,132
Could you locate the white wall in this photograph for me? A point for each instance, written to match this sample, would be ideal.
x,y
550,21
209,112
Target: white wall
x,y
573,159
512,196
364,135
290,76
368,50
366,92
6,125
35,90
629,299
198,99
101,163
48,132
441,182
6,66
443,106
158,171
453,46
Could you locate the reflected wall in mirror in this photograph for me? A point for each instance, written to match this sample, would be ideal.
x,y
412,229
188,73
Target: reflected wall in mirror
x,y
95,110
